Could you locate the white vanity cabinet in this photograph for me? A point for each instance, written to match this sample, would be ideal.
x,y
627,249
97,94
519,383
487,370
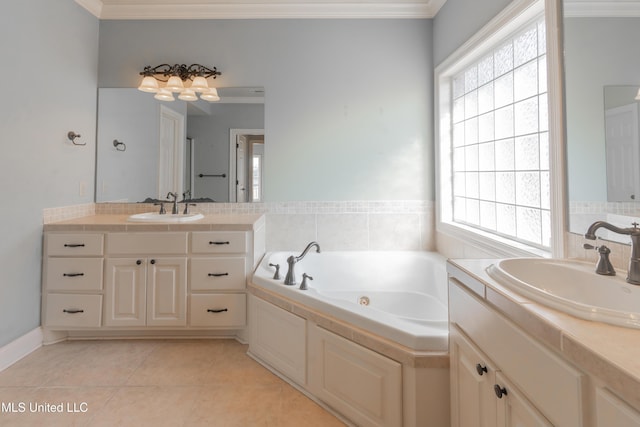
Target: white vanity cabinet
x,y
146,279
501,377
219,265
145,291
143,279
72,276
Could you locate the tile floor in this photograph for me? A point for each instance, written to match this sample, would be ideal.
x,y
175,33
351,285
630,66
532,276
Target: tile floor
x,y
151,383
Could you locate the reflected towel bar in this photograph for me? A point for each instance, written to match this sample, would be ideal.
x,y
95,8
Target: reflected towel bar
x,y
222,175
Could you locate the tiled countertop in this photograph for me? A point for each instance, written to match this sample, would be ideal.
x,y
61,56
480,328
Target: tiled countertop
x,y
607,352
246,222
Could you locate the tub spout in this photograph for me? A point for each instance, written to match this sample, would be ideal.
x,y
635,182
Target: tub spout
x,y
290,278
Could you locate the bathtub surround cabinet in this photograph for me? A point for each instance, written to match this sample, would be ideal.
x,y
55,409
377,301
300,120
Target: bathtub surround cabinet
x,y
514,362
106,277
368,379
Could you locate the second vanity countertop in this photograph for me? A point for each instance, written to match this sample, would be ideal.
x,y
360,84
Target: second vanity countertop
x,y
607,352
115,223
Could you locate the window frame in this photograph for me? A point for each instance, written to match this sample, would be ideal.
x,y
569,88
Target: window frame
x,y
509,21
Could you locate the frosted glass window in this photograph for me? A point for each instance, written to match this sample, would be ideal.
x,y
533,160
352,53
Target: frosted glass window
x,y
485,70
485,98
525,81
503,90
501,142
486,157
486,124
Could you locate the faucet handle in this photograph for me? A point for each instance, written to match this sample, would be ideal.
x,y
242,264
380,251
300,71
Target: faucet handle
x,y
604,266
276,276
186,207
162,210
303,285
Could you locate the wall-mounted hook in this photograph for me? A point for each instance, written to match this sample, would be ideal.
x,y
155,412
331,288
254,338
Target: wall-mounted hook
x,y
73,136
120,146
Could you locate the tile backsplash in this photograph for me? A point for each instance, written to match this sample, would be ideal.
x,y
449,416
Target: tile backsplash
x,y
336,225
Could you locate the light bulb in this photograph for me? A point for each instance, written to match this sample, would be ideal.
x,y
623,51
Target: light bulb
x,y
149,84
188,95
200,84
211,95
164,95
175,84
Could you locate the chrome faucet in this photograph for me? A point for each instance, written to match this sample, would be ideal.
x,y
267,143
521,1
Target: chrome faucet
x,y
290,278
633,272
174,210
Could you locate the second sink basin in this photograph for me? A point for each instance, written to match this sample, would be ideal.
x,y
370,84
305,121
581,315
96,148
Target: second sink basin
x,y
572,287
156,217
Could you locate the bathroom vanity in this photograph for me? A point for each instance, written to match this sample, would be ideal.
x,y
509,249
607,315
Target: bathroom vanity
x,y
106,276
516,362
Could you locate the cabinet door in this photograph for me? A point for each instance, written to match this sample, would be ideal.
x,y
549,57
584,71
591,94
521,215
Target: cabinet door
x,y
125,292
473,402
361,384
167,292
514,410
612,411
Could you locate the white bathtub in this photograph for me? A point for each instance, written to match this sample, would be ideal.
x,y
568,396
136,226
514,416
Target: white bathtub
x,y
401,296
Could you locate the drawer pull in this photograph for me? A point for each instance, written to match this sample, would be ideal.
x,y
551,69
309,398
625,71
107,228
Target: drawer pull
x,y
481,369
74,245
500,391
219,243
218,274
218,310
72,274
72,311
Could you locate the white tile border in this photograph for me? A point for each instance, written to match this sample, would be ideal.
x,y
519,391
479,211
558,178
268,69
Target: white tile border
x,y
20,347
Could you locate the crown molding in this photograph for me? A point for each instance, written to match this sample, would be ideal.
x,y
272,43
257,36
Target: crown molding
x,y
601,9
284,10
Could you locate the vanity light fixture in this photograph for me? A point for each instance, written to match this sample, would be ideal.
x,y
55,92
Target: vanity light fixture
x,y
175,77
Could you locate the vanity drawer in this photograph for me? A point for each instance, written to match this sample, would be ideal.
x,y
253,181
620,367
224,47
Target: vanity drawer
x,y
217,273
72,310
219,310
73,274
74,244
146,243
219,242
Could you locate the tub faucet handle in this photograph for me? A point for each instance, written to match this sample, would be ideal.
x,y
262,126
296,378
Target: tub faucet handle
x,y
303,285
276,276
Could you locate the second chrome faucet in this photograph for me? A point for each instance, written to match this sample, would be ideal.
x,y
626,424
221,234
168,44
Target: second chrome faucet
x,y
290,278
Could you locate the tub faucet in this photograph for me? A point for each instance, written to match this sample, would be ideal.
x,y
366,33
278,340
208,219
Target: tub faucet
x,y
174,210
290,278
633,272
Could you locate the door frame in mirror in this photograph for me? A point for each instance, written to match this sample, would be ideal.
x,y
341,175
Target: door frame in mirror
x,y
233,137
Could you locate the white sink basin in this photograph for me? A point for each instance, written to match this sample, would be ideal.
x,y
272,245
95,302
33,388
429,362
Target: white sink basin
x,y
572,287
156,217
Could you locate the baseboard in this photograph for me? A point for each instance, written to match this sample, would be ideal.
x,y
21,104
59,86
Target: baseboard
x,y
20,347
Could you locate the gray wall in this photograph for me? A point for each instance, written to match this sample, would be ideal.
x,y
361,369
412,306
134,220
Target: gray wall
x,y
348,103
49,56
458,20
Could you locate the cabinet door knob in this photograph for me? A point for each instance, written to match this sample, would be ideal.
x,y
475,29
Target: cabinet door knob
x,y
500,391
153,261
481,369
138,262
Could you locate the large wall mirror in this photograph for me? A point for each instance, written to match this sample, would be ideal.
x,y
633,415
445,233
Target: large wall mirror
x,y
602,79
207,152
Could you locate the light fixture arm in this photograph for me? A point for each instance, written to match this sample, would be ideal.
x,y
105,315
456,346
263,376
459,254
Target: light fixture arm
x,y
181,70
